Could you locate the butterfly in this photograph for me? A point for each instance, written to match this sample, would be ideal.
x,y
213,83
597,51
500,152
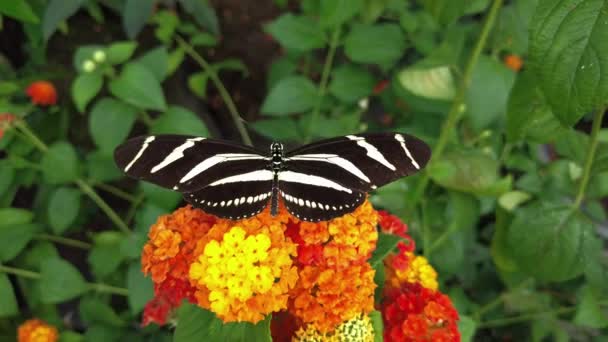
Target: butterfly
x,y
317,182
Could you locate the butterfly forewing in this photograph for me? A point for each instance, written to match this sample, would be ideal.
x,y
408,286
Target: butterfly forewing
x,y
364,161
185,163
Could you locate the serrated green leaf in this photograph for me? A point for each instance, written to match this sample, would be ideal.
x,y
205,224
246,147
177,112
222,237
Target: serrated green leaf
x,y
7,298
141,288
554,249
20,10
60,281
294,94
336,12
350,83
60,163
569,55
57,11
120,52
196,324
381,44
179,120
14,237
135,15
63,209
138,86
84,89
297,33
110,123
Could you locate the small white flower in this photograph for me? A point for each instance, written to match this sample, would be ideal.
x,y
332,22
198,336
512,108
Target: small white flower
x,y
99,56
364,103
88,65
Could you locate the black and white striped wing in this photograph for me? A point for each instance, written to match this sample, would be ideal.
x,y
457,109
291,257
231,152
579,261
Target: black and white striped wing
x,y
335,172
207,172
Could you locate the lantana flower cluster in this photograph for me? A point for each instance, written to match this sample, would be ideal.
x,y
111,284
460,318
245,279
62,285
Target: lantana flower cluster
x,y
314,278
36,330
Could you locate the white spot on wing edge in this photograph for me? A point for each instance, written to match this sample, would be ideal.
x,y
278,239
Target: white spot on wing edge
x,y
141,151
401,140
372,151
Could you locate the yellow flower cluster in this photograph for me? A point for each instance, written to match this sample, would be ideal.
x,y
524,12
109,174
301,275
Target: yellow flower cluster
x,y
418,271
357,329
244,271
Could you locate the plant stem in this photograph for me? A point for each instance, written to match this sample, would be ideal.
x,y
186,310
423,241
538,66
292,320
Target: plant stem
x,y
115,191
146,118
64,241
132,209
597,124
236,117
458,107
99,287
329,59
492,304
86,188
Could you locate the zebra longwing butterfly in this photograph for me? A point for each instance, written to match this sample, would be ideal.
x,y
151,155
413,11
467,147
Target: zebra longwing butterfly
x,y
317,182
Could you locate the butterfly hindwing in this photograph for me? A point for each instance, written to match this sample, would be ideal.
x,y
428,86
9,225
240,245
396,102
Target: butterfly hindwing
x,y
363,161
185,163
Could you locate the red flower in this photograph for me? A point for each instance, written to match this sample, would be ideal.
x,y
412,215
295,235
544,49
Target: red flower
x,y
168,295
415,313
42,93
5,122
391,224
283,326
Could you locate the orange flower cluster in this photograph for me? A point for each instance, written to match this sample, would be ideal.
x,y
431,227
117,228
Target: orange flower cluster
x,y
42,93
35,330
335,282
412,307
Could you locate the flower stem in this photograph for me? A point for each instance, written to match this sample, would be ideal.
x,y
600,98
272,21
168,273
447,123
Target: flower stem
x,y
146,118
64,241
597,124
236,117
86,189
115,191
329,59
99,287
458,107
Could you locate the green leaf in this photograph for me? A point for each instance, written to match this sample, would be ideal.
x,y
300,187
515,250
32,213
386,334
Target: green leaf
x,y
381,44
197,82
569,55
554,249
486,99
63,209
20,10
102,168
120,52
60,281
385,245
135,14
467,327
84,53
14,237
280,69
433,83
179,120
10,216
138,86
104,257
294,94
350,83
85,87
297,33
8,87
110,123
196,324
157,62
94,311
7,298
279,129
378,325
141,288
512,199
7,175
203,39
336,12
60,163
70,336
203,13
446,11
589,313
163,198
529,115
57,11
167,24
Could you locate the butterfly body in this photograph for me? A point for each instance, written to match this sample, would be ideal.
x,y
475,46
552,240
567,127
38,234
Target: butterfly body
x,y
316,182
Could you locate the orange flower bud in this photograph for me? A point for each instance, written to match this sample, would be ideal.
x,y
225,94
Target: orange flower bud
x,y
42,93
513,62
